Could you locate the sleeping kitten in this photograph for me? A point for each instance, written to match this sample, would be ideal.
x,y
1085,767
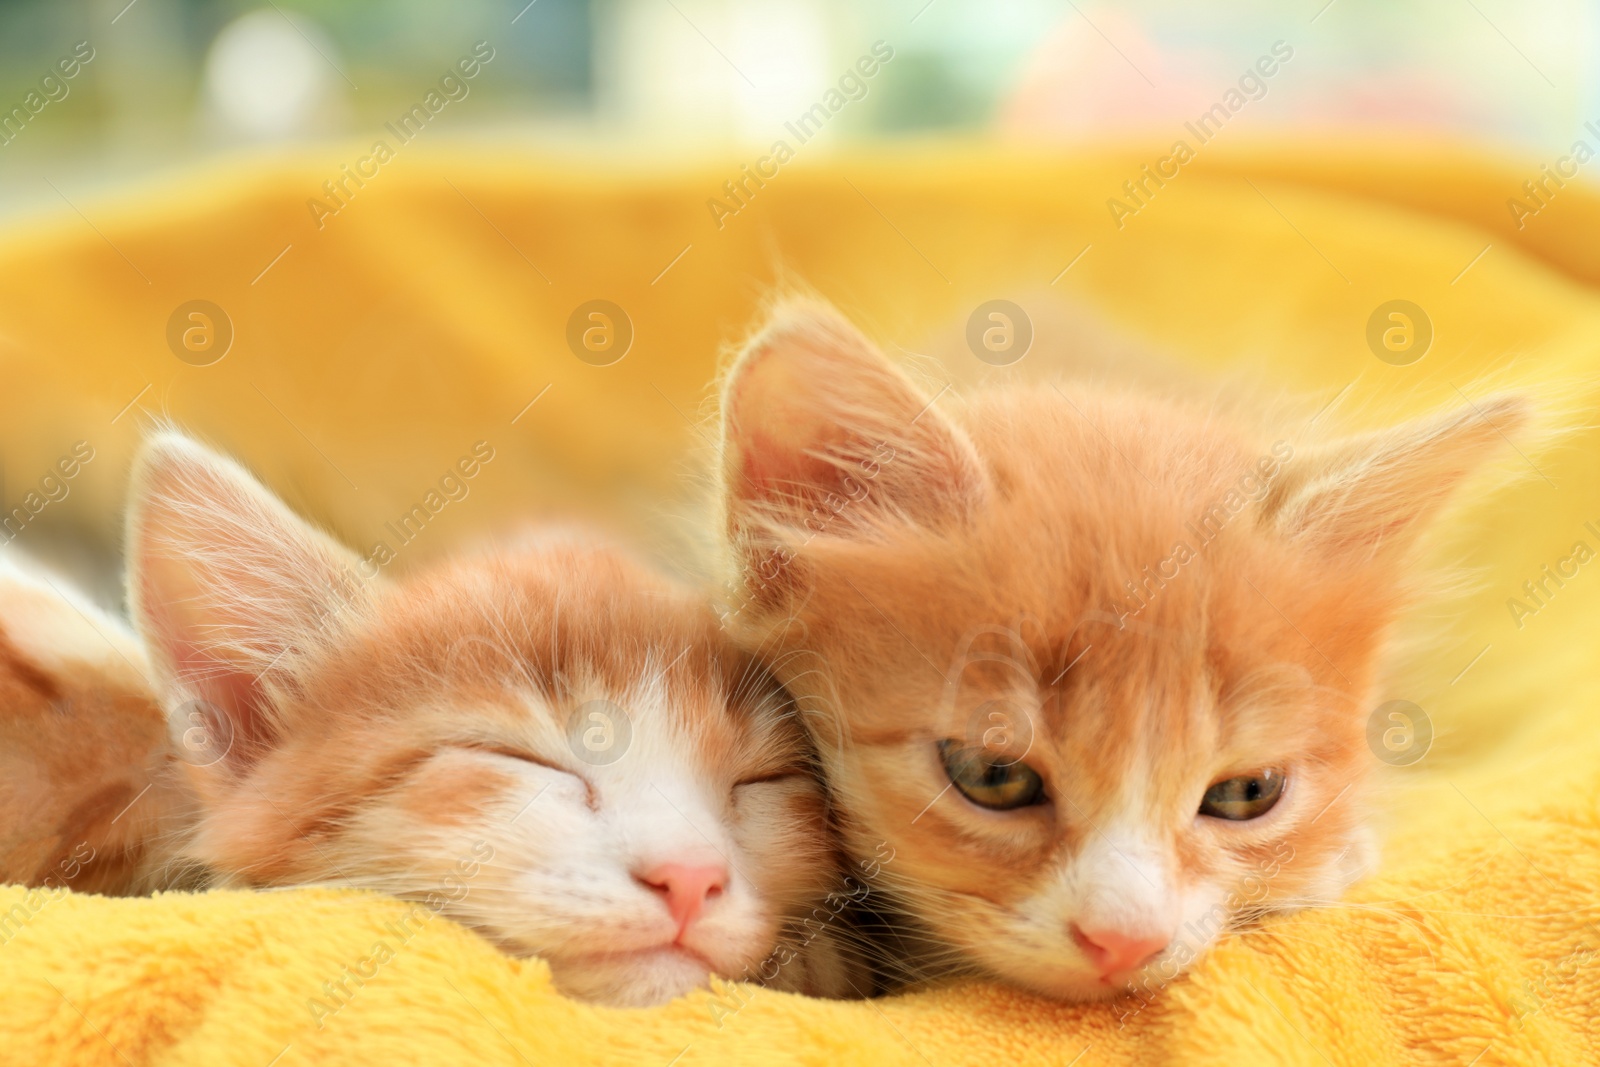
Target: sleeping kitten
x,y
1096,667
90,793
551,745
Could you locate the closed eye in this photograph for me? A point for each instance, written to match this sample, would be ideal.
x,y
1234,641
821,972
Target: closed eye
x,y
782,774
511,752
591,795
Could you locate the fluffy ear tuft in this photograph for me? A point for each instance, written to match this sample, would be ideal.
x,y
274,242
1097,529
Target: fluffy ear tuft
x,y
228,588
1373,495
822,434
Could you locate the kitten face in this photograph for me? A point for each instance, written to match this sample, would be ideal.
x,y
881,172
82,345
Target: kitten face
x,y
1096,667
551,745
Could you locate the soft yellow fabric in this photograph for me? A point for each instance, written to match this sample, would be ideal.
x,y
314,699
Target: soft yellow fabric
x,y
431,309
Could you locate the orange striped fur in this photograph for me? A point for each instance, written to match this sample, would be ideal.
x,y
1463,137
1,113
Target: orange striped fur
x,y
1136,598
91,798
435,738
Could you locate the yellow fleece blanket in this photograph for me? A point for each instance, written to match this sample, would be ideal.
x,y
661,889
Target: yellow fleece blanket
x,y
369,346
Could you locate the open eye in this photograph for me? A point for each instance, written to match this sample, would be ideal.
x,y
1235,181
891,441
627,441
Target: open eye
x,y
987,780
1249,796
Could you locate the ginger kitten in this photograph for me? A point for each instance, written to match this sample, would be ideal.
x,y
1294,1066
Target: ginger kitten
x,y
550,744
90,792
1095,666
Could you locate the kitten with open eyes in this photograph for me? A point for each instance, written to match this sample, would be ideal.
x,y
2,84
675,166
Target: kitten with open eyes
x,y
551,745
1096,666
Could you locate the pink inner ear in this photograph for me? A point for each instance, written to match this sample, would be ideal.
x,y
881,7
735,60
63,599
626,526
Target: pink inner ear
x,y
777,468
768,470
229,688
823,432
779,436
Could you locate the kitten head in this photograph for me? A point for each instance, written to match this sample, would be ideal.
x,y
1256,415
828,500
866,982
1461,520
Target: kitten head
x,y
551,745
1096,667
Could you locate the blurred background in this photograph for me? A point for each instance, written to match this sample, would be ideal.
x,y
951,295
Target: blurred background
x,y
168,169
170,80
113,114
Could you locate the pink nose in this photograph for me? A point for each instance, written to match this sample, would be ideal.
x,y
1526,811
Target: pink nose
x,y
1114,952
686,888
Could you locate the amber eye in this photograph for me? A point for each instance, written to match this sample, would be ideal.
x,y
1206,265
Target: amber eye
x,y
1248,796
988,780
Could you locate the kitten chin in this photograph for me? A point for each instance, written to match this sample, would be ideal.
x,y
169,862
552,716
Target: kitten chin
x,y
1094,666
550,744
632,980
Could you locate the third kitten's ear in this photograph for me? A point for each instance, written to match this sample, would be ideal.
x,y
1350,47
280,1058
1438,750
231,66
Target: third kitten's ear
x,y
822,434
226,587
1373,495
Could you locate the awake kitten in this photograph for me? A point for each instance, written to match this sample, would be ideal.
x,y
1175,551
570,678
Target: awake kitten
x,y
551,745
1097,668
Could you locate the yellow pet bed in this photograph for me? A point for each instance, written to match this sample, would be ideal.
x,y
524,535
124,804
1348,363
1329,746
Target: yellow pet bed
x,y
431,311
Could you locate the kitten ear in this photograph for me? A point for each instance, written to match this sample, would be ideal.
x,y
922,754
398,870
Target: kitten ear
x,y
226,586
1373,495
821,433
